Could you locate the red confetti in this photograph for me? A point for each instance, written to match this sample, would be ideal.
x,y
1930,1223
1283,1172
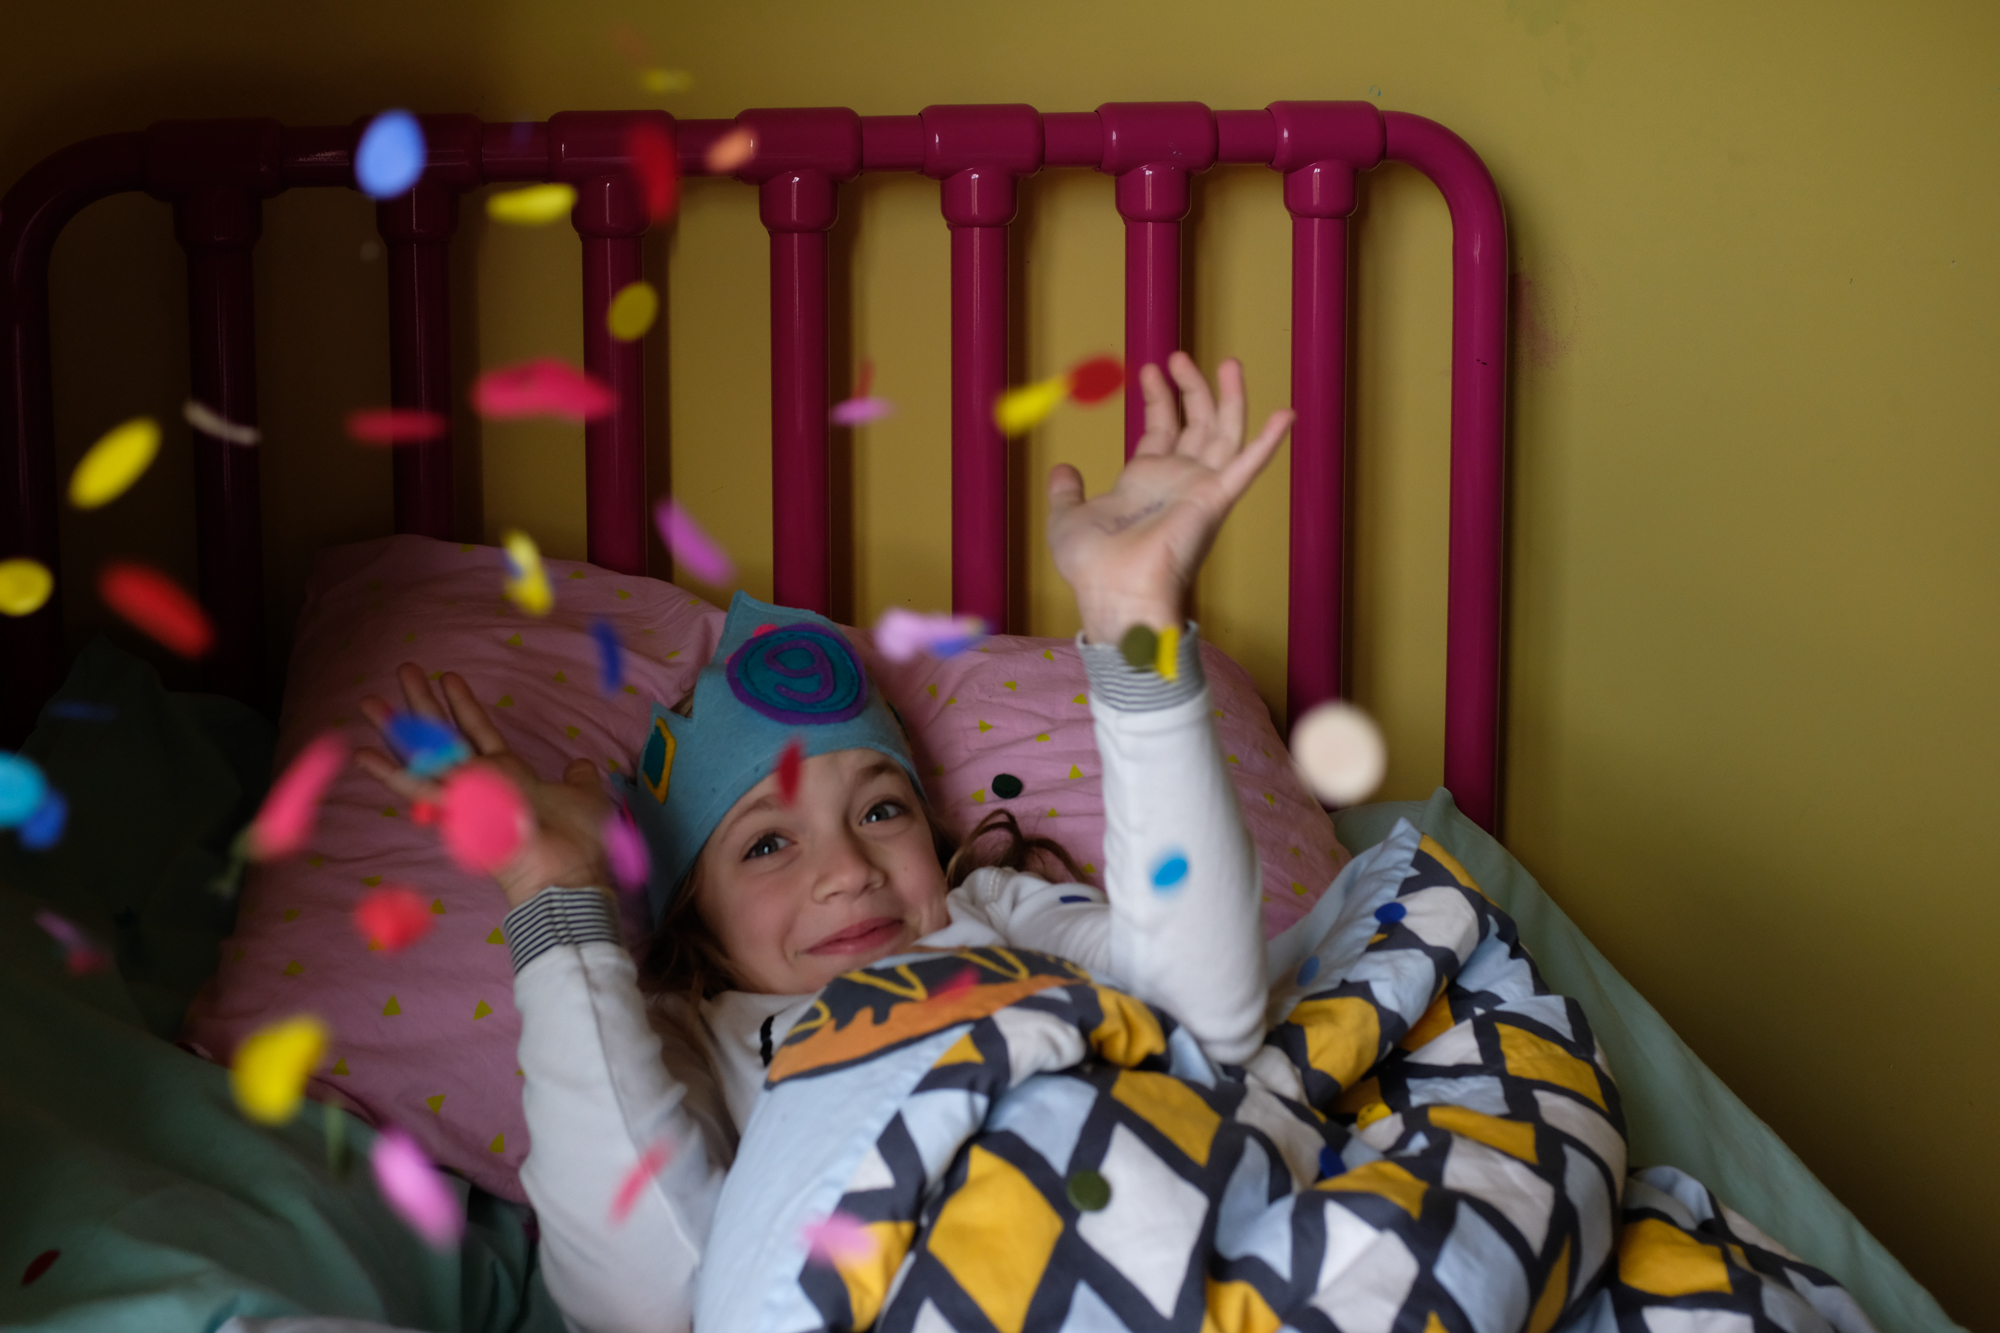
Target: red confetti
x,y
394,425
651,1162
392,917
39,1265
966,979
423,812
1095,380
790,763
286,819
656,167
481,818
866,379
155,603
542,387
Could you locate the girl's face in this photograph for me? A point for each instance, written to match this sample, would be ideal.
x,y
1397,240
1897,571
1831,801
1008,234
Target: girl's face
x,y
846,874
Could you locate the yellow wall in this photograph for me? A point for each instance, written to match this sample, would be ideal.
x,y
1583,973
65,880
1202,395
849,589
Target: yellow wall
x,y
1753,585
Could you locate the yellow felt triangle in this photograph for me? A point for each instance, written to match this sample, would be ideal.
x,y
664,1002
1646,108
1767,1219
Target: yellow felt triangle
x,y
437,906
371,880
931,690
561,679
1075,772
340,1065
1009,683
1049,653
499,1143
481,1011
434,1103
291,914
622,594
374,945
391,1008
506,701
514,642
496,937
294,967
1079,699
985,726
979,797
572,732
576,573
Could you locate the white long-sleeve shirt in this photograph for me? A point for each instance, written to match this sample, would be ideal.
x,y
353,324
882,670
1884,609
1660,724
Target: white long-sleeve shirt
x,y
609,1076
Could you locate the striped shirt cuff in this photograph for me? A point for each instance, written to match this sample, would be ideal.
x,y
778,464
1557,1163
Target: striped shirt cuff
x,y
556,917
1131,689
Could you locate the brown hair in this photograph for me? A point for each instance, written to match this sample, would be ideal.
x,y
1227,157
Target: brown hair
x,y
683,957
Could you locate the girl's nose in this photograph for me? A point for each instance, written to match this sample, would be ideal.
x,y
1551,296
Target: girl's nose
x,y
846,869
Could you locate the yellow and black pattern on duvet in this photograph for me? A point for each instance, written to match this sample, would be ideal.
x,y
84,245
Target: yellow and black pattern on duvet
x,y
1429,1143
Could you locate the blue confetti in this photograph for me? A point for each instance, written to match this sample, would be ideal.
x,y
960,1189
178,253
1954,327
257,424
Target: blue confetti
x,y
1170,872
44,828
21,788
1308,970
390,157
1389,912
1075,898
427,747
76,710
610,658
1330,1164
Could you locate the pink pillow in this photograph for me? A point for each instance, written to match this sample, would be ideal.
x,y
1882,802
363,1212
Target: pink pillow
x,y
425,1037
1015,708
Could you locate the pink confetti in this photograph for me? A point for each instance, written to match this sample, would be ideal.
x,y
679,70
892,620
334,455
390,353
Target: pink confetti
x,y
286,820
842,1237
691,547
394,425
81,956
861,411
965,980
482,818
732,150
413,1187
791,763
901,635
651,1162
542,387
625,849
211,422
392,917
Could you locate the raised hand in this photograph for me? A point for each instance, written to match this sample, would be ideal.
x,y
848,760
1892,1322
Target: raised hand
x,y
1131,554
566,848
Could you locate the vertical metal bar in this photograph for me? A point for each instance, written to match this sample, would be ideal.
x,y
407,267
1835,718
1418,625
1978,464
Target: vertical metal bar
x,y
799,208
217,225
1316,640
417,229
1152,297
979,484
611,218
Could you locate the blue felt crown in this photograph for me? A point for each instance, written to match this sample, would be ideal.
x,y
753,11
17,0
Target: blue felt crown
x,y
778,675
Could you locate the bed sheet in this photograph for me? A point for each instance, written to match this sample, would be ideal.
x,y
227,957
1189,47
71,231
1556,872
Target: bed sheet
x,y
1677,1112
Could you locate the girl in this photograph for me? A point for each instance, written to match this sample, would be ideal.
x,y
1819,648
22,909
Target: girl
x,y
771,877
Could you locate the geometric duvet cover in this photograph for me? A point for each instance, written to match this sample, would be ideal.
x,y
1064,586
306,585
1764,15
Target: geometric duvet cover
x,y
1428,1141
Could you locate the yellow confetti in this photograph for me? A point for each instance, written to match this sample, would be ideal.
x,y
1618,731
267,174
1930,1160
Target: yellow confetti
x,y
117,460
535,206
270,1070
24,586
1019,411
1168,659
632,311
529,588
666,80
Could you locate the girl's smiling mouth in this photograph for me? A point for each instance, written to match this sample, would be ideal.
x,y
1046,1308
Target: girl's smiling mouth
x,y
861,937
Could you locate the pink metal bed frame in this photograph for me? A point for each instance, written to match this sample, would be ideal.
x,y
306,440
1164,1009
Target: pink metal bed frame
x,y
217,173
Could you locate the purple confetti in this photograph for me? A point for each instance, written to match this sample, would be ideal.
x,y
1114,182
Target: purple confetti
x,y
692,548
861,411
901,635
625,849
610,658
413,1187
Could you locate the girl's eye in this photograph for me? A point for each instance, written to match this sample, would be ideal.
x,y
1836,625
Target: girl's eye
x,y
883,810
765,846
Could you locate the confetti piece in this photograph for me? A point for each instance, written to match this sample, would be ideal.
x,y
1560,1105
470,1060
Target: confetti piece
x,y
632,311
860,411
1096,379
691,547
625,848
901,635
1019,411
732,150
656,168
389,159
1340,753
80,954
1171,871
24,586
482,818
542,387
287,818
269,1071
866,379
79,710
666,80
212,423
120,456
22,788
154,603
529,588
426,746
415,1189
964,980
39,1265
1140,647
791,760
651,1162
394,425
1167,653
610,656
393,917
535,206
44,828
841,1238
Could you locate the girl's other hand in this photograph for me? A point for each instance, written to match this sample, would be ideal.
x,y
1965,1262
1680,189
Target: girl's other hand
x,y
1131,554
566,849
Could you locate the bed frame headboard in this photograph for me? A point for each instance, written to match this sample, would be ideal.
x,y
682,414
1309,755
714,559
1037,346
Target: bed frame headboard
x,y
217,173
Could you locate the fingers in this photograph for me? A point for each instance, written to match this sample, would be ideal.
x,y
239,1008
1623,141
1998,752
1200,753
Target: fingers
x,y
1065,489
471,717
1243,469
582,774
395,777
1229,412
1163,419
417,696
1196,403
